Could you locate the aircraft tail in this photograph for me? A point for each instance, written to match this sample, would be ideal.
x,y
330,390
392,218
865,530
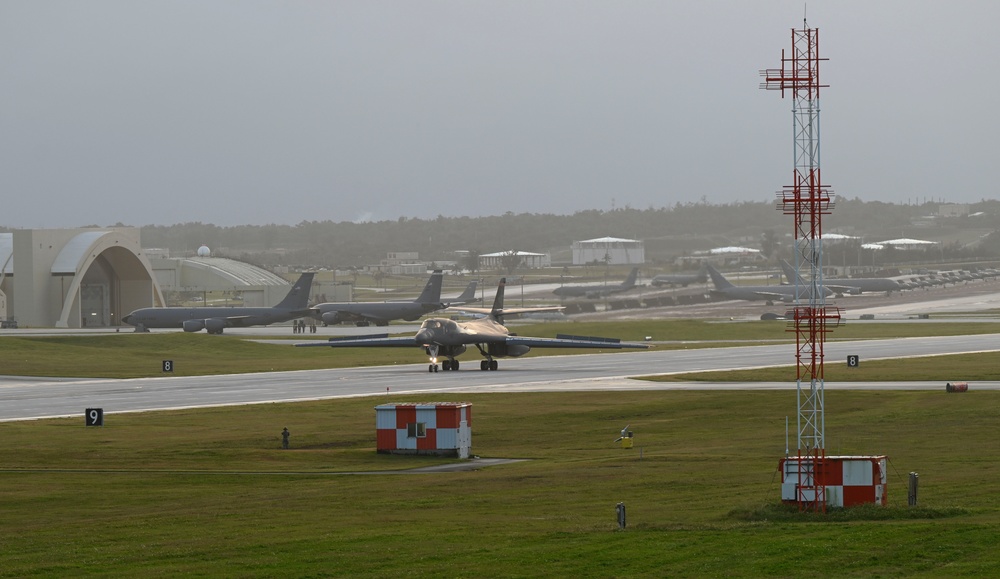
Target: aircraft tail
x,y
469,295
298,296
497,312
790,274
432,291
629,282
717,278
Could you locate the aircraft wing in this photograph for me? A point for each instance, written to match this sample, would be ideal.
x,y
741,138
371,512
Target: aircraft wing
x,y
565,341
843,289
509,311
774,296
373,340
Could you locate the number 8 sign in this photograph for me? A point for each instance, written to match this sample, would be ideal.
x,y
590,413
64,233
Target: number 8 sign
x,y
168,365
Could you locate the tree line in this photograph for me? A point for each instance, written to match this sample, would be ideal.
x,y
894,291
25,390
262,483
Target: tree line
x,y
667,232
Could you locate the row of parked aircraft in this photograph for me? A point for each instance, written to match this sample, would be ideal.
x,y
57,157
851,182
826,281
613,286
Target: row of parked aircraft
x,y
296,305
795,288
439,337
447,338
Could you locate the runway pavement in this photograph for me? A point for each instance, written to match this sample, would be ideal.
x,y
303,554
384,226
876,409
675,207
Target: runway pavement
x,y
33,398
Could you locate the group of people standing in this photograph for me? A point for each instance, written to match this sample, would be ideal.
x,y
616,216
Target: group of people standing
x,y
299,326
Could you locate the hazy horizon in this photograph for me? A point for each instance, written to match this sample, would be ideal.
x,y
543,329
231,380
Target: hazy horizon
x,y
258,112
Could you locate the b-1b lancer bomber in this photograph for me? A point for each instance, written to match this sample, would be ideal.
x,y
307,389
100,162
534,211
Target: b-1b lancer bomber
x,y
447,338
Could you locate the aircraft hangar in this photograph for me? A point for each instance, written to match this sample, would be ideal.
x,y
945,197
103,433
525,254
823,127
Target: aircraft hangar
x,y
71,278
257,287
92,277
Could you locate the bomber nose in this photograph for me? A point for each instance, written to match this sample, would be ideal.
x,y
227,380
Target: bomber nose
x,y
128,319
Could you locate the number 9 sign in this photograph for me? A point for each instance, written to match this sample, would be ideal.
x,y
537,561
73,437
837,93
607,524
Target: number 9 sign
x,y
94,417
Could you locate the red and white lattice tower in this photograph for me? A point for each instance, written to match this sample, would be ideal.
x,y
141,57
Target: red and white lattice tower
x,y
807,199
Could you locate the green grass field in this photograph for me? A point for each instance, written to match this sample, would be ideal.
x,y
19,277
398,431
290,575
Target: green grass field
x,y
210,493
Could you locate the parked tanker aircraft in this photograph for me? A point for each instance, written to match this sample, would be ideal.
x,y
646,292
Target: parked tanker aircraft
x,y
597,291
849,285
447,338
381,313
769,293
680,279
216,319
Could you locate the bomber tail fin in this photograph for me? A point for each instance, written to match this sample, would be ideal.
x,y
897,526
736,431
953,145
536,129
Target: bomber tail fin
x,y
432,291
298,296
497,312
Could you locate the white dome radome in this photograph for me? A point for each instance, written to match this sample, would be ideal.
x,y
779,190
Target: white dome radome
x,y
204,251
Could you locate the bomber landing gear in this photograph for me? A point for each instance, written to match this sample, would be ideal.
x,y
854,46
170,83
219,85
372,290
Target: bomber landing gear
x,y
488,365
432,368
449,365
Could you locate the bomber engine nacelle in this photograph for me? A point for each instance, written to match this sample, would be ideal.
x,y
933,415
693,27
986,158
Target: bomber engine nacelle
x,y
504,350
193,325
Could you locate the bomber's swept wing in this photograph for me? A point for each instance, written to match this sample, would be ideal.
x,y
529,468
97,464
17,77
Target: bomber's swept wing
x,y
564,341
371,340
383,341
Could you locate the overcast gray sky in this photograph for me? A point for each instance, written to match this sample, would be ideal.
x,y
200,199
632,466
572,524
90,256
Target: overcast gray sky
x,y
254,112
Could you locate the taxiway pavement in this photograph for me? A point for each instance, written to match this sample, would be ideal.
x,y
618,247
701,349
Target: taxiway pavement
x,y
34,398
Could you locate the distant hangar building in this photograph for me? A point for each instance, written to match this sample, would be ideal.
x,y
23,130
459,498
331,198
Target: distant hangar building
x,y
610,250
528,259
92,277
71,278
256,287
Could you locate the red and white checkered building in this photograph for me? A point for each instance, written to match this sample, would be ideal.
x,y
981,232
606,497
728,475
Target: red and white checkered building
x,y
847,480
441,428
